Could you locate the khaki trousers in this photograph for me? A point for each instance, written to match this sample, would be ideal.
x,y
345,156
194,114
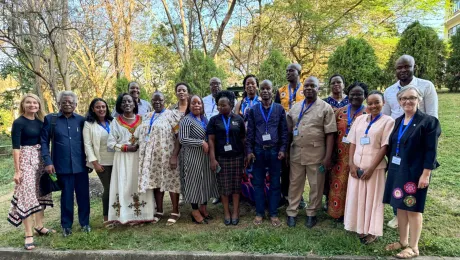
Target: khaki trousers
x,y
297,176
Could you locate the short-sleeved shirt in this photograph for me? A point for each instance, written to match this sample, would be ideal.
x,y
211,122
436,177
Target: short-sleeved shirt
x,y
428,105
237,134
378,134
309,146
26,132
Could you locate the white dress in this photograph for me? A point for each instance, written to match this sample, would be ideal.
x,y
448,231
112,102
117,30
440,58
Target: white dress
x,y
126,204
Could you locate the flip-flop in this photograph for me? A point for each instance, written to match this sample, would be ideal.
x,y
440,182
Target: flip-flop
x,y
257,221
276,222
172,221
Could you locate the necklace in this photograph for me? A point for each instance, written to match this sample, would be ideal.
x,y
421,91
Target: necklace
x,y
129,117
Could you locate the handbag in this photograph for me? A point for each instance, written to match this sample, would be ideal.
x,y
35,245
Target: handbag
x,y
48,185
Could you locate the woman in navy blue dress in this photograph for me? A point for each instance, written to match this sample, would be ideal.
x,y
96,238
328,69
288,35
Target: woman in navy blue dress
x,y
411,159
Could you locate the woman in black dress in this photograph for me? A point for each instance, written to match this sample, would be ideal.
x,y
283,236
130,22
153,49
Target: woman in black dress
x,y
411,158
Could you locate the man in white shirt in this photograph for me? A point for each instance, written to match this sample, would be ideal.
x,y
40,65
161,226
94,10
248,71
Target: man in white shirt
x,y
405,73
210,106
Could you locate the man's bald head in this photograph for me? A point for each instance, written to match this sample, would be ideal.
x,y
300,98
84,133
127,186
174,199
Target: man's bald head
x,y
409,59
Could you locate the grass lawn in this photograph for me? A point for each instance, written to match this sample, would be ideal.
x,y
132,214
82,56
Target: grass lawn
x,y
440,236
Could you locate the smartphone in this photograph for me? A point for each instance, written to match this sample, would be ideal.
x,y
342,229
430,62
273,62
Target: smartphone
x,y
360,173
218,169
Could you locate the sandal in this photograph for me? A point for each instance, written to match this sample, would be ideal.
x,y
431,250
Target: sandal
x,y
407,253
157,217
369,239
276,222
171,221
48,232
395,246
257,220
29,246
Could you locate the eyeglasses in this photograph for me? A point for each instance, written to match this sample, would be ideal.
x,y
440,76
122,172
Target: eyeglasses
x,y
404,99
67,102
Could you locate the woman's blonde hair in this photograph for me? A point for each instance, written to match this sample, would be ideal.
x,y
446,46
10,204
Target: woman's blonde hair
x,y
40,113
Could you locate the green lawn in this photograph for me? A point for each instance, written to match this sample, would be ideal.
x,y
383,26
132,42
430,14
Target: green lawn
x,y
440,236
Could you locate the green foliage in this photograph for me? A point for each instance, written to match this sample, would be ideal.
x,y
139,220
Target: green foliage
x,y
453,65
356,61
274,68
197,72
422,43
24,79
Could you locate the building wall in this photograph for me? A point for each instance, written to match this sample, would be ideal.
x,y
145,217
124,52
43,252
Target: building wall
x,y
452,24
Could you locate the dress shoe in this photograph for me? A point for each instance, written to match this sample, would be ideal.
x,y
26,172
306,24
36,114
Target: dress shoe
x,y
86,229
235,221
310,221
66,232
227,221
291,221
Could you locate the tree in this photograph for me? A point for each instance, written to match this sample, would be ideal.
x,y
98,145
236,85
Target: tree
x,y
356,61
453,64
198,71
421,42
274,68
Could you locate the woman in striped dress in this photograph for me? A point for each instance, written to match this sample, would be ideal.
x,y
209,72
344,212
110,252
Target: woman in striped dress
x,y
198,182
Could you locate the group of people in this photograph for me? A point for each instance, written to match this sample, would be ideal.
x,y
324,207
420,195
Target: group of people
x,y
200,147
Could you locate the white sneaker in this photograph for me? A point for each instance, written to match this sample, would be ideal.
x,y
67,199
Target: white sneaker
x,y
393,223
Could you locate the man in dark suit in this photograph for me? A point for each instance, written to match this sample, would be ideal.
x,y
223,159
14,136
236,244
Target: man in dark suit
x,y
67,160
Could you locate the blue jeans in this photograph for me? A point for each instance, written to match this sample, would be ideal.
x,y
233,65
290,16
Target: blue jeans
x,y
267,158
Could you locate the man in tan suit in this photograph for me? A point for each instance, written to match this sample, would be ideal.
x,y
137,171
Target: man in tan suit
x,y
312,123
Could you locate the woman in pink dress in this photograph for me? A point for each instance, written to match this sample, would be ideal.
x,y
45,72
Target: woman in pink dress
x,y
369,142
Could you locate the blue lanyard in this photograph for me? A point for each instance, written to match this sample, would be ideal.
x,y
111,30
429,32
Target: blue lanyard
x,y
302,112
350,119
248,101
401,133
227,127
266,118
372,122
153,119
106,127
292,95
202,122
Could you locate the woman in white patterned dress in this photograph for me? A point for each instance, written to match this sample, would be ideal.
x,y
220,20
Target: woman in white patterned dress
x,y
126,204
158,152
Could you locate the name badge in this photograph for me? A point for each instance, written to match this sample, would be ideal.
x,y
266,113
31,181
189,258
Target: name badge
x,y
396,160
365,140
345,140
234,123
227,147
266,137
296,132
147,138
110,150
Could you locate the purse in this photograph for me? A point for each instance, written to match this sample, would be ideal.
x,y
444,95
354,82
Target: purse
x,y
48,185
